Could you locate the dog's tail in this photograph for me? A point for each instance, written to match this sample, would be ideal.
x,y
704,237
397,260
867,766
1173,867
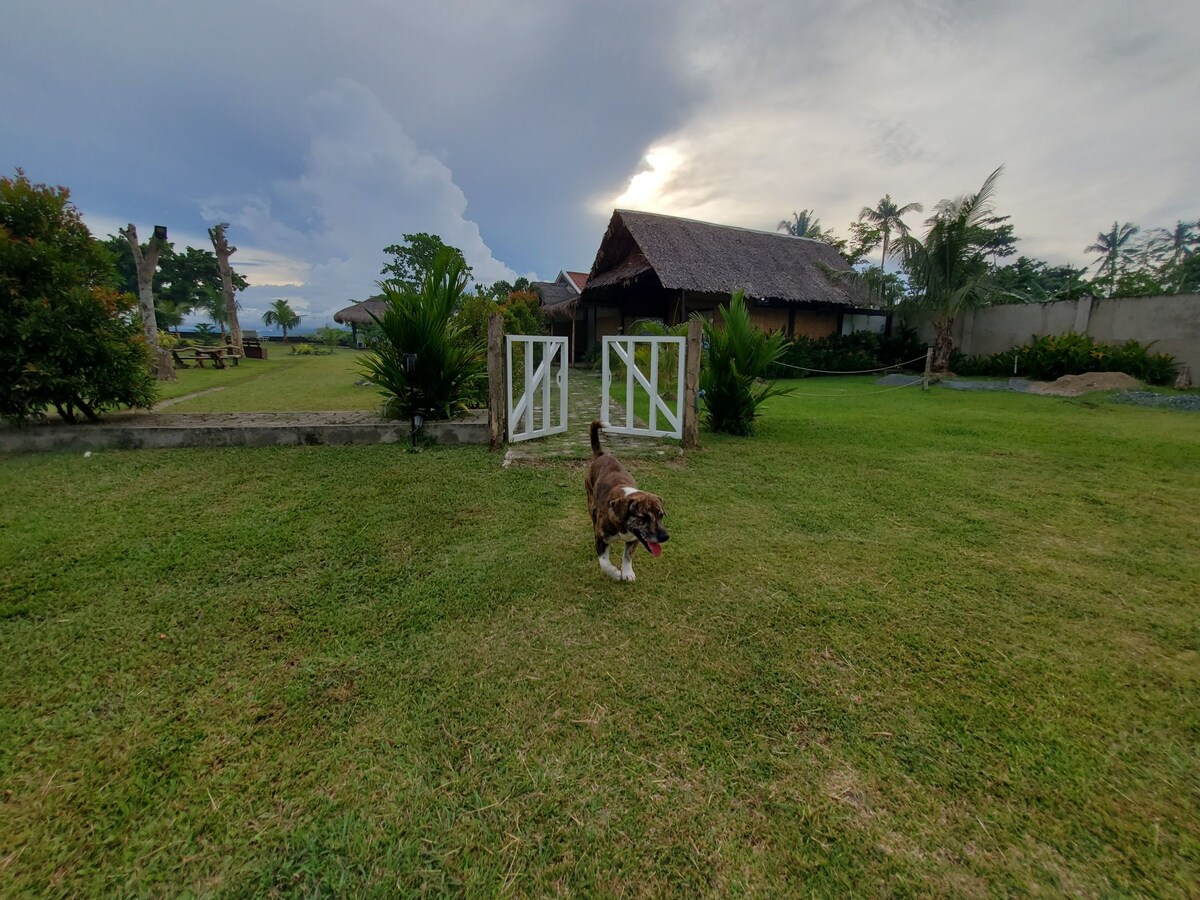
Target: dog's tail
x,y
596,426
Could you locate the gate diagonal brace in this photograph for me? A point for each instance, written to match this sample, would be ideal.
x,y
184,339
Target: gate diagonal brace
x,y
619,349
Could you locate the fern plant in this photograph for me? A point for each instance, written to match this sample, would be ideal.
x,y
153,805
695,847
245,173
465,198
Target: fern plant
x,y
424,361
736,356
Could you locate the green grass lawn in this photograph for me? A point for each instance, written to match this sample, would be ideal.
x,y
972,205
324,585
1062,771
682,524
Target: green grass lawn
x,y
898,644
284,382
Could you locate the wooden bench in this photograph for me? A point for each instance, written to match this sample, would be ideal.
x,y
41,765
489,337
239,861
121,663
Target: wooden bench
x,y
252,347
216,355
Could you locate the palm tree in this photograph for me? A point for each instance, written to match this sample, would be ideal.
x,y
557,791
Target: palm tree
x,y
802,224
948,271
169,314
1179,242
214,306
282,315
887,216
1112,246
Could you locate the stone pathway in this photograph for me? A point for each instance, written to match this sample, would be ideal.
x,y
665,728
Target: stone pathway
x,y
574,445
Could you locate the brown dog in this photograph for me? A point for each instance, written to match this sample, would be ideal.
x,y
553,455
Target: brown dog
x,y
620,512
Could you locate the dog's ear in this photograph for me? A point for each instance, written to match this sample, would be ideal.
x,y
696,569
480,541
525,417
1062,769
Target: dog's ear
x,y
619,508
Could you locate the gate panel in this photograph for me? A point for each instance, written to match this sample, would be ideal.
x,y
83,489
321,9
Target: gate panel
x,y
531,414
624,348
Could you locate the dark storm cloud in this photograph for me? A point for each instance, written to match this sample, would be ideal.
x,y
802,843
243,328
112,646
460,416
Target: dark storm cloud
x,y
323,132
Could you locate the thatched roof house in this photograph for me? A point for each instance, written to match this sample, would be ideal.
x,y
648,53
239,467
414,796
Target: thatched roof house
x,y
560,303
664,267
359,314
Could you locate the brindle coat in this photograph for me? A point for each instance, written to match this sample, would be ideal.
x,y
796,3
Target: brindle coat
x,y
620,512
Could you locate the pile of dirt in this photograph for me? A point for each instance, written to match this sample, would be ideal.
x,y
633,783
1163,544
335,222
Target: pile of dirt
x,y
1074,385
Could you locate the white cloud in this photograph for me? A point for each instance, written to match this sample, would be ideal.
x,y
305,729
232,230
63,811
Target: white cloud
x,y
828,110
365,183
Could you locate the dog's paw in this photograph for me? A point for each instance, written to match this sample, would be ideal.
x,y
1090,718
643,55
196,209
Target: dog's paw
x,y
627,575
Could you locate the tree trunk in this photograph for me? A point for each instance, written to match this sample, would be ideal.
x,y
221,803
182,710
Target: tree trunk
x,y
146,264
224,251
943,345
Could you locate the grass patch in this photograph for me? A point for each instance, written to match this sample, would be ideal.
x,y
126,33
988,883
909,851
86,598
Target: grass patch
x,y
898,643
283,383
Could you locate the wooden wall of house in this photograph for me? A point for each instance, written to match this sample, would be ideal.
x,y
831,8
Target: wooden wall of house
x,y
769,319
815,323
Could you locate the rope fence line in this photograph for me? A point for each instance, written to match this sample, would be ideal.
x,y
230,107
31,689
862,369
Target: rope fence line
x,y
898,387
855,372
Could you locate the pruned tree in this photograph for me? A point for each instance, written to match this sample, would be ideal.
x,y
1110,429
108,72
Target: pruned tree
x,y
146,261
224,251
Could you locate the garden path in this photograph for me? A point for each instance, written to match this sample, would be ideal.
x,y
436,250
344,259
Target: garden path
x,y
574,445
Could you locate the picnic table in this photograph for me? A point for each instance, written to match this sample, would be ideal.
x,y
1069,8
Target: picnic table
x,y
218,356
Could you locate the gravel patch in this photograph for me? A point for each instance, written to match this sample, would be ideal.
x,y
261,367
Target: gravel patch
x,y
1186,402
1020,385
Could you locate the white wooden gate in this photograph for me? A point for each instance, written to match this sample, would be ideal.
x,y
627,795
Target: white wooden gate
x,y
660,409
539,354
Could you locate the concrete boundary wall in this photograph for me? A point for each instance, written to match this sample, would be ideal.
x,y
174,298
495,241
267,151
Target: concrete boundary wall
x,y
1171,323
76,438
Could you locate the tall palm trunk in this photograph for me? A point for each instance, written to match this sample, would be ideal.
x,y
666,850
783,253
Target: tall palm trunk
x,y
943,344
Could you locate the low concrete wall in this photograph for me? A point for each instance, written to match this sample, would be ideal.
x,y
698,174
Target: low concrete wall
x,y
77,438
1171,323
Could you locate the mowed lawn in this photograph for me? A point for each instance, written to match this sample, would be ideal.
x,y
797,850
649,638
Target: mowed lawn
x,y
897,644
284,382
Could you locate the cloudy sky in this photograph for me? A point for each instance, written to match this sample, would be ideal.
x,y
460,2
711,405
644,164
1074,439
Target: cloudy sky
x,y
324,131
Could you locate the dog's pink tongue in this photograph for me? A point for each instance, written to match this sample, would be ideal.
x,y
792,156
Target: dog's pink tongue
x,y
655,549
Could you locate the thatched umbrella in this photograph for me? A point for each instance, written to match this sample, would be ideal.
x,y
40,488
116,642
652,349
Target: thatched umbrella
x,y
359,314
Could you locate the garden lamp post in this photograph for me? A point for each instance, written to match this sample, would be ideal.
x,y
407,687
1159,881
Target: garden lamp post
x,y
410,367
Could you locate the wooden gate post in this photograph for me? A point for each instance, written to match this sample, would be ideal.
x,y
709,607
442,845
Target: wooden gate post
x,y
497,394
691,385
928,369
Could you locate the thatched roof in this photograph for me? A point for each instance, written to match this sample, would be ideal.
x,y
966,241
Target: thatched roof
x,y
700,257
558,298
359,313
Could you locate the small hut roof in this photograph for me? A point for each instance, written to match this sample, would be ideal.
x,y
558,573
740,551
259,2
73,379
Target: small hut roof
x,y
579,279
558,299
702,257
360,312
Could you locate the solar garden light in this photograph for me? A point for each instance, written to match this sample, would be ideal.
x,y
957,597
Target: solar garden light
x,y
410,366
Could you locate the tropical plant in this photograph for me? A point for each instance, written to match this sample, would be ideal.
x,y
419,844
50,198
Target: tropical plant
x,y
331,337
1114,247
803,224
205,334
1175,246
69,338
1052,356
948,270
281,314
168,313
423,362
888,217
736,357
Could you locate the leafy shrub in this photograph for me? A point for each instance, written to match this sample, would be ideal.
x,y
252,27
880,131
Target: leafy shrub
x,y
167,340
69,338
303,349
736,356
1049,357
523,314
473,315
448,366
853,352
